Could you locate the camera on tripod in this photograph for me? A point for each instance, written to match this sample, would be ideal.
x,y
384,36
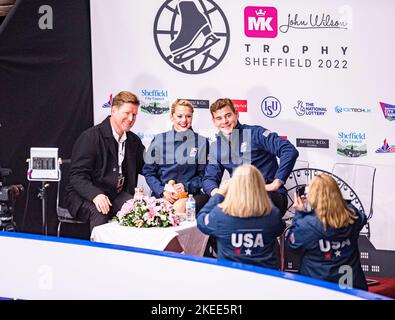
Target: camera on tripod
x,y
8,195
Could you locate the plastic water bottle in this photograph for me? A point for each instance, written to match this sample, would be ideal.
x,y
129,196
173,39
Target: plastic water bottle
x,y
190,214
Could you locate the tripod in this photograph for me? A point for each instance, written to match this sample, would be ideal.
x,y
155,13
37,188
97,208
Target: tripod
x,y
42,194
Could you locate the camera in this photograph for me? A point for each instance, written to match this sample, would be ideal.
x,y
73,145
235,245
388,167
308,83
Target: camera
x,y
8,195
300,191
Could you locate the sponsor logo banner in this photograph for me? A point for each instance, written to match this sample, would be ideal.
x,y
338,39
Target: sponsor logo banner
x,y
339,109
260,22
386,148
388,111
309,109
108,104
199,104
312,143
240,105
352,144
154,101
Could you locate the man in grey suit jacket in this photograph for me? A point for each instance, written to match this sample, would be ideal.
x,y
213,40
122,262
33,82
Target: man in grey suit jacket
x,y
105,164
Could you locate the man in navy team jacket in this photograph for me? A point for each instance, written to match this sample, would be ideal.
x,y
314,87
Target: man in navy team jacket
x,y
238,143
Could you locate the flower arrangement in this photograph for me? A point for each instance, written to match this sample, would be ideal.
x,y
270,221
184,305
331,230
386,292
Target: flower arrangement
x,y
147,212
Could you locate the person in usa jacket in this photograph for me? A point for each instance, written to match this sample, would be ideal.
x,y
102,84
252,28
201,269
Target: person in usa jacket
x,y
243,220
326,236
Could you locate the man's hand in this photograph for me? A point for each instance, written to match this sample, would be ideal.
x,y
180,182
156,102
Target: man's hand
x,y
274,186
102,203
169,196
214,191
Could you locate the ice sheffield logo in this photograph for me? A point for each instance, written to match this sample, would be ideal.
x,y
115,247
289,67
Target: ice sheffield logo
x,y
271,107
260,22
192,37
386,148
388,111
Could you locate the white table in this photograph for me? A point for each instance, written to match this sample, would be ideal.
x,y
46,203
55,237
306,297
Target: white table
x,y
189,237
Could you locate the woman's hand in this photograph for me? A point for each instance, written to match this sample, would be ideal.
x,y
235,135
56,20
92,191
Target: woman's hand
x,y
179,187
169,196
298,203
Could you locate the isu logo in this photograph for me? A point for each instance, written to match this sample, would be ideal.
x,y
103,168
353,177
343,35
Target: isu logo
x,y
192,37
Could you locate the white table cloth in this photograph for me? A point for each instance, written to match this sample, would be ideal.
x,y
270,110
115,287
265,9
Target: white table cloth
x,y
188,235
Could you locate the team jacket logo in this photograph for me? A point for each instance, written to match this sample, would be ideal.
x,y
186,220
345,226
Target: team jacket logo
x,y
326,246
246,240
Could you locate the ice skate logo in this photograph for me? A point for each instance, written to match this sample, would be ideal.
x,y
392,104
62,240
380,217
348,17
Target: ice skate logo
x,y
260,22
186,38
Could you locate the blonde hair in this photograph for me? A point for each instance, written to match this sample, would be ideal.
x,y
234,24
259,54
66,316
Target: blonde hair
x,y
125,97
180,102
246,196
325,198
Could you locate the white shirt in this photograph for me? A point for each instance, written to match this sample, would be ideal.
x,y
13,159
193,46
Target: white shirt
x,y
121,147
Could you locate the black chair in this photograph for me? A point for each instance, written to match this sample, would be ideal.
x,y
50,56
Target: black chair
x,y
63,214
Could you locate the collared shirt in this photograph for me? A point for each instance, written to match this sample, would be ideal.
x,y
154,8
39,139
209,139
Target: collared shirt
x,y
121,147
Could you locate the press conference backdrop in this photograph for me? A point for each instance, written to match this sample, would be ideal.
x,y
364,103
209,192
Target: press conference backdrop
x,y
320,73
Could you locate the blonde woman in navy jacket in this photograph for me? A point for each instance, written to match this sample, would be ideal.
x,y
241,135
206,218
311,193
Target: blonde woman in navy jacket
x,y
243,220
180,155
327,235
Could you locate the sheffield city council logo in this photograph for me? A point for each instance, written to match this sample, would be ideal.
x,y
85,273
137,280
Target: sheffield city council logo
x,y
191,36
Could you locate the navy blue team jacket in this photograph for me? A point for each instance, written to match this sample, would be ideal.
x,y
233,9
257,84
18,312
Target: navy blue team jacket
x,y
254,145
324,252
179,156
247,240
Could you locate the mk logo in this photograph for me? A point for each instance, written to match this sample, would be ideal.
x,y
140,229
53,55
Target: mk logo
x,y
260,22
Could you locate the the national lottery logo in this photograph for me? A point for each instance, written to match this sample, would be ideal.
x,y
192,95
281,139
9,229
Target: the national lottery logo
x,y
191,36
260,22
271,107
309,109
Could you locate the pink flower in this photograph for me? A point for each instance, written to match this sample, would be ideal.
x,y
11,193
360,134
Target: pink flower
x,y
126,208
